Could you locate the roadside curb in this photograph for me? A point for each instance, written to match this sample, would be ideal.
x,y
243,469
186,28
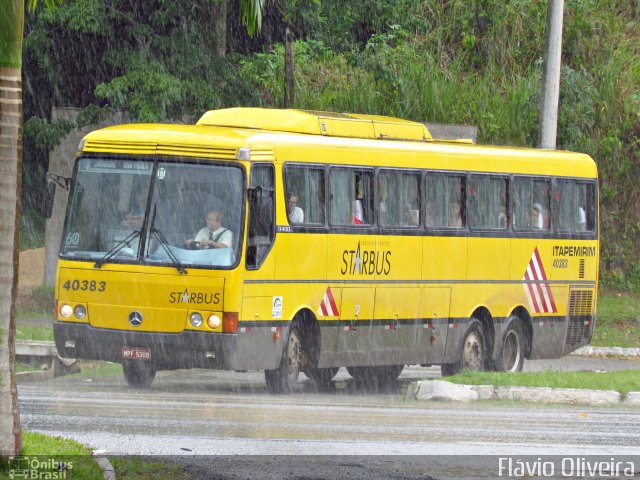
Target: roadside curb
x,y
108,472
441,390
590,351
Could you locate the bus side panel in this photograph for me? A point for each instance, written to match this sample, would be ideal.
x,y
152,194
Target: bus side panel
x,y
398,336
434,309
549,331
355,337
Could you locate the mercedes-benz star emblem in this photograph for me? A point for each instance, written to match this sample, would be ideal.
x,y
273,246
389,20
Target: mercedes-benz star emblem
x,y
135,319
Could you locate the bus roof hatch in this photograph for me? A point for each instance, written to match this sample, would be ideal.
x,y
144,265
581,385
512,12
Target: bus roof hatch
x,y
317,123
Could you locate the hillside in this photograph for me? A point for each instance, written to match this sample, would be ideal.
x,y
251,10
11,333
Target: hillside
x,y
449,62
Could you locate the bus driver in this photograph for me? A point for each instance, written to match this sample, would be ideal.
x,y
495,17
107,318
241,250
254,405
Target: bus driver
x,y
214,235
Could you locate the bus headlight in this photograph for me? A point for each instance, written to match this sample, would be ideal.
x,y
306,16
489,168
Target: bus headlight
x,y
195,320
80,312
66,311
213,321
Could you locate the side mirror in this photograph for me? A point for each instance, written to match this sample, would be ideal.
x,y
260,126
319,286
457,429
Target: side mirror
x,y
50,192
49,196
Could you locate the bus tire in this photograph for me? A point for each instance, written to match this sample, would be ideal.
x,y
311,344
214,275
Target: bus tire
x,y
284,378
138,373
512,347
473,352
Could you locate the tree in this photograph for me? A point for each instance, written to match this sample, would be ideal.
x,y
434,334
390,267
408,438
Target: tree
x,y
11,29
11,35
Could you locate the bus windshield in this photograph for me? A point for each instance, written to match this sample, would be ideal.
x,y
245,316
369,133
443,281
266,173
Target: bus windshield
x,y
190,214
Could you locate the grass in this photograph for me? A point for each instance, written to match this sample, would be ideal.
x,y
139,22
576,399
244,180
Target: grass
x,y
28,332
618,322
623,381
80,462
78,458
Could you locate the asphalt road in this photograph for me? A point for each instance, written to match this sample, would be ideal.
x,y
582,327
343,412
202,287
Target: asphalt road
x,y
191,415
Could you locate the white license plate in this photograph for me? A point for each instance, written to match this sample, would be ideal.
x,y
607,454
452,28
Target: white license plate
x,y
136,353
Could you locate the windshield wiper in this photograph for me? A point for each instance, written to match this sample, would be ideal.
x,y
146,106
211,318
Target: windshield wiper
x,y
164,243
117,247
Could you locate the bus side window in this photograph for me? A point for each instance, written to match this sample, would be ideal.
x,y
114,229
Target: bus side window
x,y
488,202
574,206
530,204
351,197
444,201
307,184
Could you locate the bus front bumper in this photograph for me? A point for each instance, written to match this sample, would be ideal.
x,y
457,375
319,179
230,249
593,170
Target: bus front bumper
x,y
167,351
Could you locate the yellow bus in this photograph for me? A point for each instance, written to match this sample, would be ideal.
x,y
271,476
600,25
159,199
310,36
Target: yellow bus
x,y
297,241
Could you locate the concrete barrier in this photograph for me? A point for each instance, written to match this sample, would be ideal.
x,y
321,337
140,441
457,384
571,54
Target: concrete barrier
x,y
43,356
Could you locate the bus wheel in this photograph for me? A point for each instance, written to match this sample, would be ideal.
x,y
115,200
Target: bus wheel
x,y
473,355
138,373
511,356
284,378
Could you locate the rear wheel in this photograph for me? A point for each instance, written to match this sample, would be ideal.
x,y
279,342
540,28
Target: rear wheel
x,y
512,348
284,378
138,373
473,354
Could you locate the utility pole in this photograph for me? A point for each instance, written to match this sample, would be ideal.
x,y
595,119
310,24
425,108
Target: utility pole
x,y
289,84
550,90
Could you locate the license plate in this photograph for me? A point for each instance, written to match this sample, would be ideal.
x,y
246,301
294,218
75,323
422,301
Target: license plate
x,y
136,353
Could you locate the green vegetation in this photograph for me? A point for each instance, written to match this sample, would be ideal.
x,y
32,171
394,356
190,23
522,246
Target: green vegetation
x,y
618,321
623,381
81,463
451,62
27,332
55,449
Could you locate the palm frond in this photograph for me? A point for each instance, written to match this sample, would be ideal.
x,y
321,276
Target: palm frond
x,y
33,4
252,15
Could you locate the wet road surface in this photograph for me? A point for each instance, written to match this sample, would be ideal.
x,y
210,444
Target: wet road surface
x,y
201,412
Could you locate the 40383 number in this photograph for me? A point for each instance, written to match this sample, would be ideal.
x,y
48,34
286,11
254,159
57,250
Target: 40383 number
x,y
560,263
85,285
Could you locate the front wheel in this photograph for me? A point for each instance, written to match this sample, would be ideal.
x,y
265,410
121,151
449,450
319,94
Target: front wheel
x,y
512,348
284,378
138,373
473,354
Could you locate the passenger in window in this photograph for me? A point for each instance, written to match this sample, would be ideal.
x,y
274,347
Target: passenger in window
x,y
582,219
214,235
455,216
357,209
296,214
502,217
412,206
537,220
383,209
